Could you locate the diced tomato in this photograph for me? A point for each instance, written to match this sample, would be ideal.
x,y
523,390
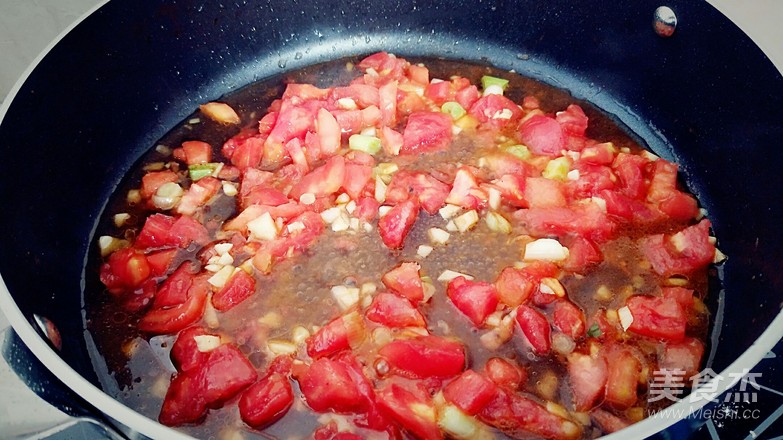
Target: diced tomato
x,y
429,191
171,319
126,269
629,168
161,261
185,354
573,120
412,408
541,192
294,150
184,401
467,97
293,121
465,191
504,163
419,74
512,190
683,296
469,392
409,103
535,327
238,288
227,373
583,255
660,318
304,91
322,181
505,374
287,211
161,230
475,299
439,92
197,152
355,179
426,132
327,386
607,421
593,179
174,289
198,194
514,286
264,195
366,209
518,415
329,339
681,253
246,148
587,377
543,135
391,141
328,131
405,280
395,225
598,154
387,67
586,220
623,377
387,103
424,356
153,180
680,206
330,432
663,182
495,111
267,401
569,319
685,356
394,311
363,95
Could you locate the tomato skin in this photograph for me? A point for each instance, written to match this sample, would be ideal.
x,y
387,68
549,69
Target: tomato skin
x,y
227,372
424,356
267,401
426,132
174,289
569,319
125,269
587,376
394,311
184,401
172,319
239,287
395,225
161,261
535,327
398,401
469,392
327,386
573,120
542,134
197,152
656,317
475,299
504,373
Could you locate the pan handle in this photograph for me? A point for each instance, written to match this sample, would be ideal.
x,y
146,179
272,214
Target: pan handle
x,y
40,406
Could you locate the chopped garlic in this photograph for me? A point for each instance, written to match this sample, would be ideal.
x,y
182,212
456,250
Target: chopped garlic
x,y
230,189
573,175
263,227
272,319
460,425
225,259
109,244
120,219
346,104
354,223
281,347
386,168
497,223
368,288
600,202
220,112
380,190
350,207
299,334
547,249
448,275
206,343
295,227
383,210
493,89
222,276
719,256
451,226
466,220
438,236
331,214
494,198
213,267
223,248
307,198
342,199
449,211
346,297
626,318
133,197
424,251
341,223
167,196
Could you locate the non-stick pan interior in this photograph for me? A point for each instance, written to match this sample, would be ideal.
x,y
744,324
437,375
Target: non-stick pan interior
x,y
705,97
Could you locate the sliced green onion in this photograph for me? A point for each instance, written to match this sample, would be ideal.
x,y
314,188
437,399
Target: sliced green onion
x,y
453,109
201,170
366,143
487,81
519,150
594,331
557,169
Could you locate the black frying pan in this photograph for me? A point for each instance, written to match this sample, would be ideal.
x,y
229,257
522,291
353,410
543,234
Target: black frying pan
x,y
705,97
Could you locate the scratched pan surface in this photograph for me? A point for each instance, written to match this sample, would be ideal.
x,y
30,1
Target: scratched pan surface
x,y
705,97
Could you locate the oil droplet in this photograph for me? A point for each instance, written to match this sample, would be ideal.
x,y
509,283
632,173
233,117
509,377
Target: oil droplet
x,y
298,56
282,63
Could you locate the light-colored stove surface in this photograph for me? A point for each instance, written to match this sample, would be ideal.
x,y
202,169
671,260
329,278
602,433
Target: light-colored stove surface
x,y
27,27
